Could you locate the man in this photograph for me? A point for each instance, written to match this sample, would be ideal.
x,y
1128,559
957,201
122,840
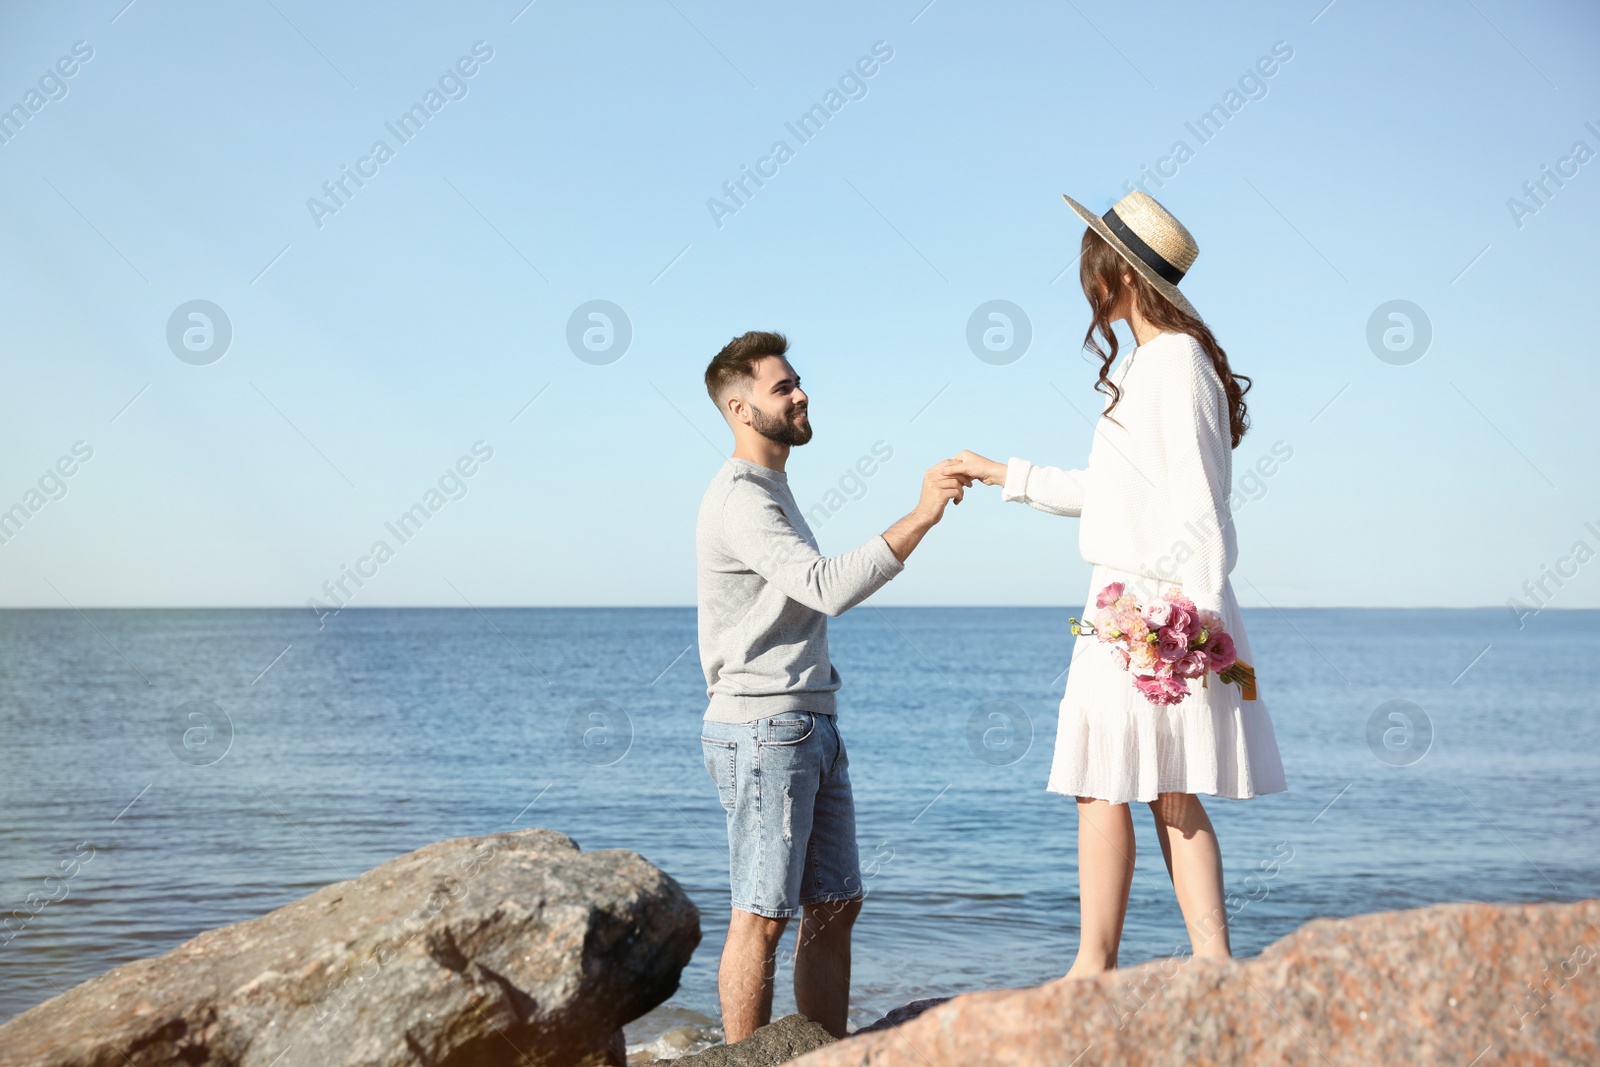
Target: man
x,y
769,739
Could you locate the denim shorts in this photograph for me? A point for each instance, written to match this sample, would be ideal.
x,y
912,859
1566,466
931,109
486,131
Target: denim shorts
x,y
784,781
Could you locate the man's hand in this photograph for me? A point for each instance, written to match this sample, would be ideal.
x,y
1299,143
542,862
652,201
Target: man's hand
x,y
938,489
971,466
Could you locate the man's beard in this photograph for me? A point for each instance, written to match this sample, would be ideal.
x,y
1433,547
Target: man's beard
x,y
784,430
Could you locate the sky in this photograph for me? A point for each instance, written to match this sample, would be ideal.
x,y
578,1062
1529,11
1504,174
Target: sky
x,y
255,338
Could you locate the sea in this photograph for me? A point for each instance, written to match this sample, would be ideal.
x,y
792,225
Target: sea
x,y
218,764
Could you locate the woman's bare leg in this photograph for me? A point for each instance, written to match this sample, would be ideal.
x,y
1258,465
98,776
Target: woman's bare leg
x,y
1194,862
1105,875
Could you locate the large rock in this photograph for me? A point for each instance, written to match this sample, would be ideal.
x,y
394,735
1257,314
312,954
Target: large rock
x,y
1457,984
514,948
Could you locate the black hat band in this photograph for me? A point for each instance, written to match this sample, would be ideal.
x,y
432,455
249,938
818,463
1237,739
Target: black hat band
x,y
1136,245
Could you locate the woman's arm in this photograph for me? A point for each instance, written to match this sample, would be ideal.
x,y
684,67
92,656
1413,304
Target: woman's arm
x,y
1196,438
1051,489
1060,492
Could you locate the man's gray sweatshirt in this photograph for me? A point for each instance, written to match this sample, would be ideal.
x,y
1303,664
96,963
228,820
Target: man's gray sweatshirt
x,y
765,594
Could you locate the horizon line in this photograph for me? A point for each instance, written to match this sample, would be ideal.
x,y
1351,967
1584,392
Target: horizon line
x,y
680,607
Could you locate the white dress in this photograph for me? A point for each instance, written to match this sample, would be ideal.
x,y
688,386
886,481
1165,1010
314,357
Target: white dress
x,y
1153,504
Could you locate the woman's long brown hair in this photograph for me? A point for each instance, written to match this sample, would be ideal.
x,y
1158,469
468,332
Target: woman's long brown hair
x,y
1100,270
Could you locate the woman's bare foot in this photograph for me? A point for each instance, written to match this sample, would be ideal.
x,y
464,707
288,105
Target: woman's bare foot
x,y
1088,968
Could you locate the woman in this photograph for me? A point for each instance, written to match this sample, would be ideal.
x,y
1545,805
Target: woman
x,y
1153,501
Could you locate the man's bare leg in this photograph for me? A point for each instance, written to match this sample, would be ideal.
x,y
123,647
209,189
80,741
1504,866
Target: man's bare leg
x,y
822,963
745,976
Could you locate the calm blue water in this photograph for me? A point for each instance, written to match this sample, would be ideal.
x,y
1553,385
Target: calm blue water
x,y
393,728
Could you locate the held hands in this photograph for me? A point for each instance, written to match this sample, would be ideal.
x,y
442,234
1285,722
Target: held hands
x,y
940,487
946,482
973,467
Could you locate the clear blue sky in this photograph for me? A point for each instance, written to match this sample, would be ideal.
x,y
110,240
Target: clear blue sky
x,y
371,351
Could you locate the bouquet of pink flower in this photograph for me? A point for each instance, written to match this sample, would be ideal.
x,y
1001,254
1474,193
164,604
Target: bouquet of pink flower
x,y
1166,642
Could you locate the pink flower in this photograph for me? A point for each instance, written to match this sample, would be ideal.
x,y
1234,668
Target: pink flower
x,y
1161,691
1221,652
1183,618
1210,620
1193,664
1142,655
1177,689
1157,612
1108,594
1174,594
1151,688
1172,646
1120,656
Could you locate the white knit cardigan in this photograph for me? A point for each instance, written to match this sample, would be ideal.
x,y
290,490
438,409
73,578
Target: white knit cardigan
x,y
1154,497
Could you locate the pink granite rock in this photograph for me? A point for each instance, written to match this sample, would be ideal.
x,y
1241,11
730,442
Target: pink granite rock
x,y
1458,984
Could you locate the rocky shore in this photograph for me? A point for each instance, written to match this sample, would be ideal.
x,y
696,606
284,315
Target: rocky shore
x,y
519,948
1455,984
1452,984
515,948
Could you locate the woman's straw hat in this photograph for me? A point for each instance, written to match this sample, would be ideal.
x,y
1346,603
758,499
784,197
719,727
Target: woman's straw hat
x,y
1150,239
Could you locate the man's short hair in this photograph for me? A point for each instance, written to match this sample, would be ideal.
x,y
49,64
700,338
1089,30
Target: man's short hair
x,y
738,358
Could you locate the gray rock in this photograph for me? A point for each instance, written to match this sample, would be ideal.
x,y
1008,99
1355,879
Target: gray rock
x,y
903,1014
515,948
775,1043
